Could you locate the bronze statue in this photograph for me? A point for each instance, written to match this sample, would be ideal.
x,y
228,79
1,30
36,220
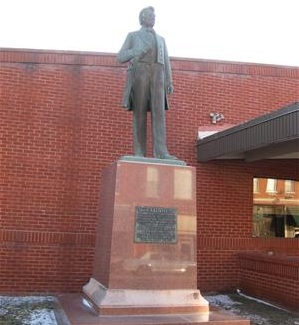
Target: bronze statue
x,y
148,81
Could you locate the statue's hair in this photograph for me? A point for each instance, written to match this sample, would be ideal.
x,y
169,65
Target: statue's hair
x,y
142,13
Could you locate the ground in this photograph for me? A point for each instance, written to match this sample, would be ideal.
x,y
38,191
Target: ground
x,y
259,312
27,310
33,310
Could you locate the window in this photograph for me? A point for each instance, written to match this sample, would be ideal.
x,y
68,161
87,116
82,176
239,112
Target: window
x,y
271,185
275,208
289,186
255,185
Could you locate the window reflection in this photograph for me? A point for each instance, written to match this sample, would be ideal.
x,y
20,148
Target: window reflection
x,y
289,186
152,177
271,185
255,185
182,184
275,208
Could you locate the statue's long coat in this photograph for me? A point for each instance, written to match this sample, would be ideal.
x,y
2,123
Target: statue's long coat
x,y
136,43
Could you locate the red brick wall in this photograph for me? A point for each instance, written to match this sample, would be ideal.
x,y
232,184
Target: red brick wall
x,y
225,198
61,122
273,277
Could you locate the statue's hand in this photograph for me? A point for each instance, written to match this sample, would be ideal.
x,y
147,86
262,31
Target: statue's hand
x,y
139,51
170,89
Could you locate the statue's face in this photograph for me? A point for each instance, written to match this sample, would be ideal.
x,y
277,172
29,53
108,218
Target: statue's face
x,y
149,19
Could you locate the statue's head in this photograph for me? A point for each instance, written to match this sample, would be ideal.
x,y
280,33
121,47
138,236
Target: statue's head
x,y
147,17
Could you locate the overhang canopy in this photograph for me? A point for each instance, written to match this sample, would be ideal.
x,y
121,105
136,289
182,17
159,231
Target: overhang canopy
x,y
271,136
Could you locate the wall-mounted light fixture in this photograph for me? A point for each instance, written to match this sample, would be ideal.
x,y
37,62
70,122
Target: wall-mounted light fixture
x,y
216,117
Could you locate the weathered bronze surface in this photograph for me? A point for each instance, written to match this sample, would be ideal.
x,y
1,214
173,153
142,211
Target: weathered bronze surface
x,y
155,225
149,80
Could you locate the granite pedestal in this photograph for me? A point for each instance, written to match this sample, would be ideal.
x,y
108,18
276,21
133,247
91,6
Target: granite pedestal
x,y
145,255
145,269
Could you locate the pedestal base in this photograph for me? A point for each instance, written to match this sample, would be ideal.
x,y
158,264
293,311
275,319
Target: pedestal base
x,y
79,313
144,302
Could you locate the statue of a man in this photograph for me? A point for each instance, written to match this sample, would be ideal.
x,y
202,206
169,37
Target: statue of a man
x,y
149,80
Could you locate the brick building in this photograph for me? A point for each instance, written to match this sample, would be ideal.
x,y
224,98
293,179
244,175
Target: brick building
x,y
61,123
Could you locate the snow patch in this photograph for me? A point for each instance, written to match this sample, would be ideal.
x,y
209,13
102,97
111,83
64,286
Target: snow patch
x,y
34,316
222,300
259,300
43,317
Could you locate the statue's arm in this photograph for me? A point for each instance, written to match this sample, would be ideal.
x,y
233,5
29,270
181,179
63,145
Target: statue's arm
x,y
126,52
131,49
168,73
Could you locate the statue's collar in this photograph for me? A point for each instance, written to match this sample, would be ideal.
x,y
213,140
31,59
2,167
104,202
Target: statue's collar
x,y
148,29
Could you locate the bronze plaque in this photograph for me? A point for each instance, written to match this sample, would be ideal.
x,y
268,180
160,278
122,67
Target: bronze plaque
x,y
155,225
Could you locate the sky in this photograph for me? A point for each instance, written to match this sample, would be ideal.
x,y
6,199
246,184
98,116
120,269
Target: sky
x,y
254,31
